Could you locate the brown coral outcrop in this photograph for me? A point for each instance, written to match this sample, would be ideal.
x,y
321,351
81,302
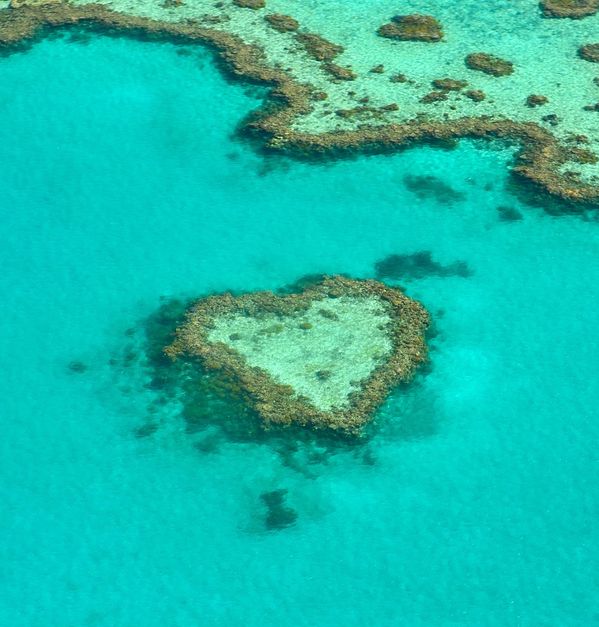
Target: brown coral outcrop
x,y
414,27
589,52
250,4
536,100
282,23
449,84
574,9
318,47
489,64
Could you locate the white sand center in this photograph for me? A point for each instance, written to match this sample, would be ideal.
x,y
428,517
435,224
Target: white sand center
x,y
323,353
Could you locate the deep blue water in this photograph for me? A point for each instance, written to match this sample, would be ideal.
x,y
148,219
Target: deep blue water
x,y
120,183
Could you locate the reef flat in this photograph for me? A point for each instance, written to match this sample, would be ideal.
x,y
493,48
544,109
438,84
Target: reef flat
x,y
324,357
339,84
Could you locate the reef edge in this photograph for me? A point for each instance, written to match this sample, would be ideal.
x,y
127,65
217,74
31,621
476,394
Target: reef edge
x,y
537,162
277,403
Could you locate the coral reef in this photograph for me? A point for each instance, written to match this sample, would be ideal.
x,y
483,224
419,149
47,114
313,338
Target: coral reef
x,y
489,64
589,52
250,4
282,23
318,47
294,121
399,78
449,84
414,27
475,95
338,72
575,9
212,409
434,96
536,100
309,374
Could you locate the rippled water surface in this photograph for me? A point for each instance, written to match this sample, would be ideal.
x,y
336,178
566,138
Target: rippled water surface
x,y
473,502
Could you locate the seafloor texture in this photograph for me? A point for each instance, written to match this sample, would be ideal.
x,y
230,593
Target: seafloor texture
x,y
325,357
341,82
137,491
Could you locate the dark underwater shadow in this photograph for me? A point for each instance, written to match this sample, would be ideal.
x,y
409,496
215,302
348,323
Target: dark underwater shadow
x,y
418,265
428,187
530,195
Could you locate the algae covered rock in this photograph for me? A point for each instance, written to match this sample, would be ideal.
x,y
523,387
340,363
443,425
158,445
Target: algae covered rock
x,y
318,47
250,4
282,23
489,64
476,95
449,84
413,27
536,100
17,4
574,9
433,96
399,78
339,72
589,52
320,370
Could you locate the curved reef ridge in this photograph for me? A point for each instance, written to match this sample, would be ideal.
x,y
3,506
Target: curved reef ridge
x,y
326,357
328,96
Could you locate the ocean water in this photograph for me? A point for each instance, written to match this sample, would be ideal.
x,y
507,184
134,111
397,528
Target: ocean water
x,y
476,502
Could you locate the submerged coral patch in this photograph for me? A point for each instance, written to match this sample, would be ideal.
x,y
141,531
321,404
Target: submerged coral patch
x,y
509,214
575,9
536,100
325,357
413,27
449,84
250,4
489,64
589,52
77,367
282,23
430,187
418,266
318,47
278,515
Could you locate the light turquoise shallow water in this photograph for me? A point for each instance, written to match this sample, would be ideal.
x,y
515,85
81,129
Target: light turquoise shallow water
x,y
120,183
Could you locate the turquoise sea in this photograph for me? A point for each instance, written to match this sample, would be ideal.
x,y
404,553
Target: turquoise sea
x,y
475,500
